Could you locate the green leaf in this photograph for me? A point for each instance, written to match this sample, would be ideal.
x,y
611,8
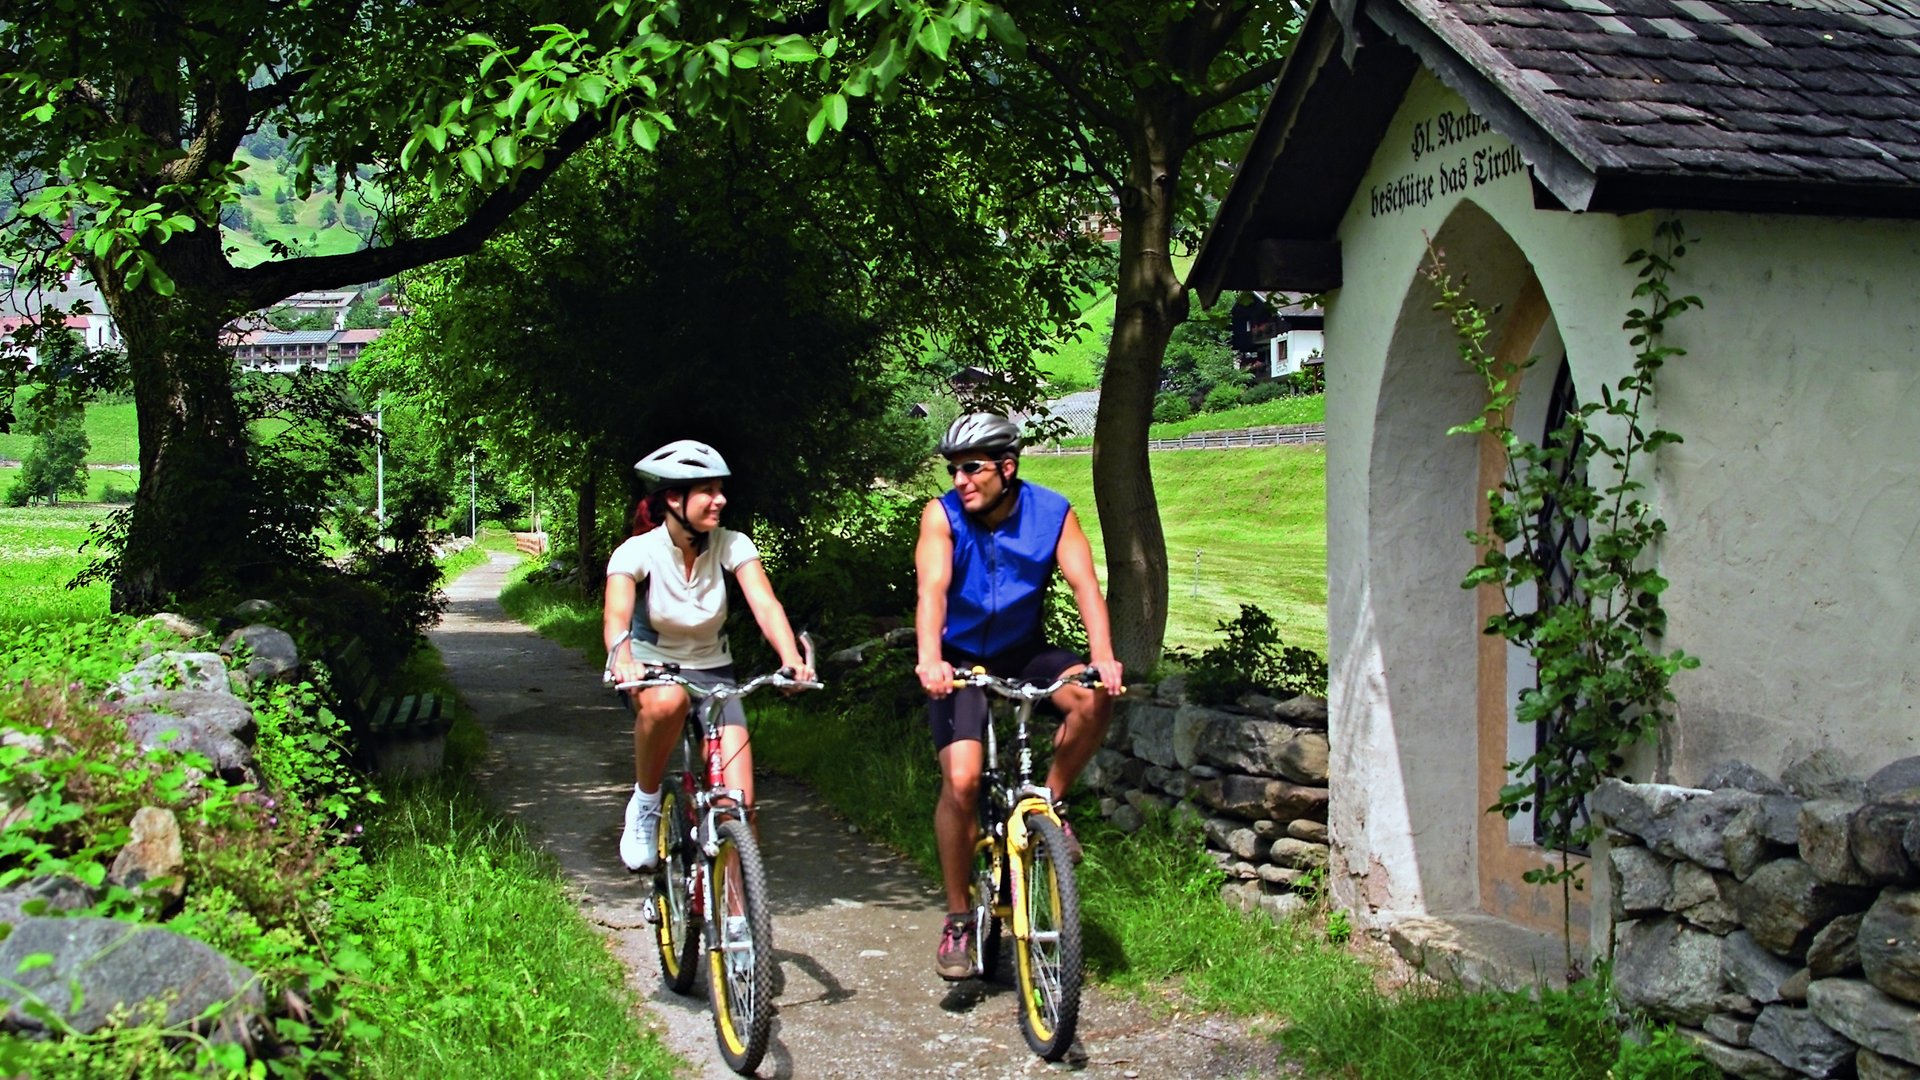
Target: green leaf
x,y
471,165
835,106
935,36
818,125
1001,26
646,134
747,58
32,961
793,48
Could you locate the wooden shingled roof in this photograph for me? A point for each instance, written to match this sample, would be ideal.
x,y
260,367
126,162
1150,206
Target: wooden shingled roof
x,y
1780,106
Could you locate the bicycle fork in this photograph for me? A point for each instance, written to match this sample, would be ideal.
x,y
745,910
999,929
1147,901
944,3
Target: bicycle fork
x,y
1034,800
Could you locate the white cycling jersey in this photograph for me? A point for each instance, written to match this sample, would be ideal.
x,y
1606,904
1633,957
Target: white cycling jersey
x,y
679,617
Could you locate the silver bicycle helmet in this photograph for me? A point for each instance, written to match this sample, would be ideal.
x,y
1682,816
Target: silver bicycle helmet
x,y
982,433
680,463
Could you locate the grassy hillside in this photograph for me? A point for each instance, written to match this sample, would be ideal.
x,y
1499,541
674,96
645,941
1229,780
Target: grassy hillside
x,y
1256,520
305,230
111,428
1075,365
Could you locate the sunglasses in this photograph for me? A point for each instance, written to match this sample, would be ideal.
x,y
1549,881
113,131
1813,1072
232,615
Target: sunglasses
x,y
971,468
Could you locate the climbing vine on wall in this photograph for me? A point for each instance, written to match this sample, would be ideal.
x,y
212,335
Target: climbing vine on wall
x,y
1603,673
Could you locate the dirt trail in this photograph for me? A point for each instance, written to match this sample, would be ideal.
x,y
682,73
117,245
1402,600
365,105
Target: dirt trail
x,y
854,924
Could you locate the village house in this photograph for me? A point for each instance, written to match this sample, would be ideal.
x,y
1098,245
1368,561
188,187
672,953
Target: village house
x,y
285,351
1277,335
1537,144
332,304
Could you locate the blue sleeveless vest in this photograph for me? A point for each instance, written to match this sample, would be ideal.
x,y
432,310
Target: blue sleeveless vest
x,y
1000,575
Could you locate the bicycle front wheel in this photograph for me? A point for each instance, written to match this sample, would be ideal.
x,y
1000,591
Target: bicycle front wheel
x,y
740,958
1049,956
677,925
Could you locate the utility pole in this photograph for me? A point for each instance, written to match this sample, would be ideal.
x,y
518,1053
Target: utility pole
x,y
379,469
473,497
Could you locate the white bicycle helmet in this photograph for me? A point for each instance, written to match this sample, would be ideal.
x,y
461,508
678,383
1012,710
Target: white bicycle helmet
x,y
982,433
679,463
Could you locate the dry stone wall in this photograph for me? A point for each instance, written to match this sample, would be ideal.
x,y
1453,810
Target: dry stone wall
x,y
1254,774
1776,921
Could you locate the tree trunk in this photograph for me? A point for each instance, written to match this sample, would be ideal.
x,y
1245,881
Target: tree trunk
x,y
584,524
1150,302
190,510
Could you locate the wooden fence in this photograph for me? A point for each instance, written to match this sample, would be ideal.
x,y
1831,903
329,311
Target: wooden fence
x,y
1282,435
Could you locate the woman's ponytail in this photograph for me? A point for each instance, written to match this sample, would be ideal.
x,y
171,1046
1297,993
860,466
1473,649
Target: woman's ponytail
x,y
650,513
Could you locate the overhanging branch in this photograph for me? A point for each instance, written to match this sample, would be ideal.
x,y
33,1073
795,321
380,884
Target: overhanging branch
x,y
269,283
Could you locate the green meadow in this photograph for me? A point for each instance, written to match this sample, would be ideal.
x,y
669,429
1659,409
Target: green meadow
x,y
112,429
1242,526
39,554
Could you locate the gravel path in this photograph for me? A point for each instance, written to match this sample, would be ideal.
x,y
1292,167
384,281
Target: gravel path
x,y
854,924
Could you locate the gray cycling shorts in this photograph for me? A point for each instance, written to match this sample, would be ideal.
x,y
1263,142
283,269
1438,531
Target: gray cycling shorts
x,y
732,714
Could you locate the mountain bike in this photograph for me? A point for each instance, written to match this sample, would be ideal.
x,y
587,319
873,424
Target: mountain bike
x,y
710,883
1022,877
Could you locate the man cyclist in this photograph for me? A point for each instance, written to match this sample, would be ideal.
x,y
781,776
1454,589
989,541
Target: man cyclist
x,y
986,556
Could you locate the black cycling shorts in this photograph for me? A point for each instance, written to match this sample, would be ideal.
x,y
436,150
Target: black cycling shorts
x,y
963,713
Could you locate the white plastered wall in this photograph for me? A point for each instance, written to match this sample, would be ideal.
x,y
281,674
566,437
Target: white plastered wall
x,y
1794,504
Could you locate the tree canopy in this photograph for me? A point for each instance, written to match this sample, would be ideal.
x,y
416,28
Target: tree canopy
x,y
132,112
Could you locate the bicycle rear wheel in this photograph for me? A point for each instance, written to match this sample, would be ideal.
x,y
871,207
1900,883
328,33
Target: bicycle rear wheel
x,y
677,926
1049,956
740,959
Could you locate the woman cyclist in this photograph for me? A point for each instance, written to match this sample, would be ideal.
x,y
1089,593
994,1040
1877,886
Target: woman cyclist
x,y
681,555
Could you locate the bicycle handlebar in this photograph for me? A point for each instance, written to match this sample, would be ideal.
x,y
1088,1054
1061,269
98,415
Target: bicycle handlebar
x,y
669,675
1026,691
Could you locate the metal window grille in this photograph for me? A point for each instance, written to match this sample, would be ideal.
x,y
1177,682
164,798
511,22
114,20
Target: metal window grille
x,y
1558,543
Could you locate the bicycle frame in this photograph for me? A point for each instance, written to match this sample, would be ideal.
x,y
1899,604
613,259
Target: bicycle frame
x,y
1005,802
712,801
1006,807
711,881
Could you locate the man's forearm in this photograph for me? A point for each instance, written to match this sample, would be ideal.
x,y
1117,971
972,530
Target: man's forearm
x,y
929,620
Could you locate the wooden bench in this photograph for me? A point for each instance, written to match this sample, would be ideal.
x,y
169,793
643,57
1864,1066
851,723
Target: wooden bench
x,y
399,735
530,543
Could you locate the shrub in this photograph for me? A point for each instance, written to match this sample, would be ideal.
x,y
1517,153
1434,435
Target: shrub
x,y
1222,396
1171,408
263,867
1251,659
1264,391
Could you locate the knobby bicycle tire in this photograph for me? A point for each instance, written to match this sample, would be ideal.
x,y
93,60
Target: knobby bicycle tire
x,y
677,932
1048,967
740,958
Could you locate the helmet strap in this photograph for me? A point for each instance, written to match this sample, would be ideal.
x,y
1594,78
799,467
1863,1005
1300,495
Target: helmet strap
x,y
699,538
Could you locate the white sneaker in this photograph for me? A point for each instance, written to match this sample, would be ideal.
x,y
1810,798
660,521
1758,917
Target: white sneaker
x,y
640,841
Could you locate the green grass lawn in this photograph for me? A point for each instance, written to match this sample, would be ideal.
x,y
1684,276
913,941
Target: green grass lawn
x,y
1242,526
1075,363
112,429
102,484
39,554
